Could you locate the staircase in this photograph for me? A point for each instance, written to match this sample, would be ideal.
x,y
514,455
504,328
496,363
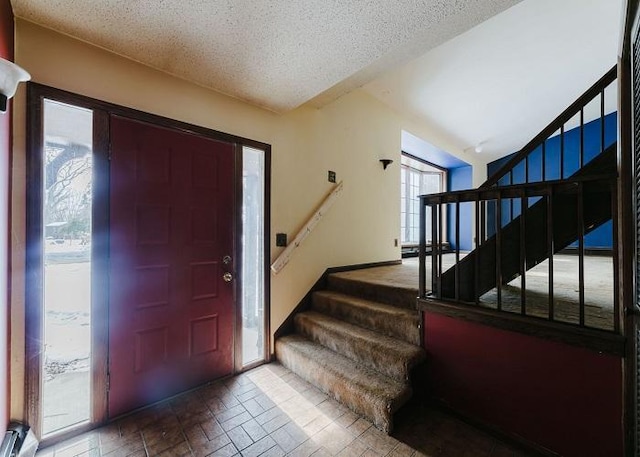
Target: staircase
x,y
565,231
552,211
359,342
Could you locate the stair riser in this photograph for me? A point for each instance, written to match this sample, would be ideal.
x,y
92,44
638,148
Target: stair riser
x,y
346,344
362,403
384,294
402,327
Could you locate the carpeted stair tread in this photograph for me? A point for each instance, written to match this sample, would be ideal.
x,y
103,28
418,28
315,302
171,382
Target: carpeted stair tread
x,y
386,319
395,295
362,389
389,356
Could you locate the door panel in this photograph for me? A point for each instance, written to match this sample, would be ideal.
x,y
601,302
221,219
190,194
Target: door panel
x,y
172,218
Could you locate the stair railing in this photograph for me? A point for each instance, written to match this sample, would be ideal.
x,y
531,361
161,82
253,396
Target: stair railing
x,y
533,163
530,176
505,175
471,280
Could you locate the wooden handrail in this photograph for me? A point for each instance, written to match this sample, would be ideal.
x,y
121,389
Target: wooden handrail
x,y
554,126
534,189
285,256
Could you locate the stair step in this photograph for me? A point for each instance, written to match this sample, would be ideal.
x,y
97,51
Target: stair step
x,y
363,390
389,356
386,319
381,293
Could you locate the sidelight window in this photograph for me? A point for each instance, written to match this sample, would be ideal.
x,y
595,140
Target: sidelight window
x,y
66,232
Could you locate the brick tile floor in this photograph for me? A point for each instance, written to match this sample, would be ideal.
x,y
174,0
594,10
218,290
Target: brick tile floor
x,y
271,412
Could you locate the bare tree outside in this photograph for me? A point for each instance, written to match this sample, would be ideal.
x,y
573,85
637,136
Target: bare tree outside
x,y
67,253
67,191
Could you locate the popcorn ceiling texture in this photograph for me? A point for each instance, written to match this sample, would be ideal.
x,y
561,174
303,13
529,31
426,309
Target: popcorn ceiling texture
x,y
277,54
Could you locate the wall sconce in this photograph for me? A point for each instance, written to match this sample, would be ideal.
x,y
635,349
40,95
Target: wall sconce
x,y
385,163
10,76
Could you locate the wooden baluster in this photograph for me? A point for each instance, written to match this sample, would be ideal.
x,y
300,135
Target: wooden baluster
x,y
616,272
550,250
581,252
457,264
422,250
499,251
523,254
476,258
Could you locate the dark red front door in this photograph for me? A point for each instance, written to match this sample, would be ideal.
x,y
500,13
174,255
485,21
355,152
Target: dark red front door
x,y
171,313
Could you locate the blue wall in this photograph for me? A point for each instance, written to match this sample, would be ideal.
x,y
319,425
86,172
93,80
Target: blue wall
x,y
460,178
601,237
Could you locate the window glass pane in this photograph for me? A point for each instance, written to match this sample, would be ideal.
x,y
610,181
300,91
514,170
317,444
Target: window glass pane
x,y
253,255
67,199
431,183
423,181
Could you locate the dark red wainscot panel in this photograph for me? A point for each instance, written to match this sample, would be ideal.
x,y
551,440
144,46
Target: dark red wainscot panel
x,y
564,398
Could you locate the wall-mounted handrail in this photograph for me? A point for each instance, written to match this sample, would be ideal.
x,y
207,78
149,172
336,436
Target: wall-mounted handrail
x,y
557,125
285,256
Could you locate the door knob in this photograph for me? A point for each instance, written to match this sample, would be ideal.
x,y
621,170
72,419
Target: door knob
x,y
227,277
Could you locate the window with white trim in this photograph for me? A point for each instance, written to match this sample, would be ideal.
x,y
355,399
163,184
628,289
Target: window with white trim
x,y
417,178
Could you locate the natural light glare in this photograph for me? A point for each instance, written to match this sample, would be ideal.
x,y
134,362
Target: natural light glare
x,y
67,199
253,261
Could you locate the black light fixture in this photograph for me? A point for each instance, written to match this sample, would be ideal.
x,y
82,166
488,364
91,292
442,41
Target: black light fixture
x,y
385,163
10,76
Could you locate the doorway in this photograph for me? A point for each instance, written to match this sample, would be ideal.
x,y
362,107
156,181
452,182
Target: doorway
x,y
172,262
147,248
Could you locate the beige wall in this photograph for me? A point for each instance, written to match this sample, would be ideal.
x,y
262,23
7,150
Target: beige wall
x,y
347,136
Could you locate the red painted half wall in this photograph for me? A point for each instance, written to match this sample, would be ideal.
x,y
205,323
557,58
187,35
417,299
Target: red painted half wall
x,y
563,398
6,51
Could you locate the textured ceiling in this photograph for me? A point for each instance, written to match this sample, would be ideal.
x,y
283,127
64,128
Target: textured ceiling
x,y
277,54
503,81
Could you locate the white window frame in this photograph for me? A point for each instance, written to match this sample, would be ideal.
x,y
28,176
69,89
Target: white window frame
x,y
409,207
